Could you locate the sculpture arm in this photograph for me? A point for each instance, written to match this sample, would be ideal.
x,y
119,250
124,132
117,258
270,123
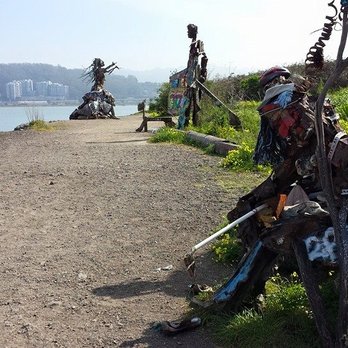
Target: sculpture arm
x,y
203,72
204,61
110,68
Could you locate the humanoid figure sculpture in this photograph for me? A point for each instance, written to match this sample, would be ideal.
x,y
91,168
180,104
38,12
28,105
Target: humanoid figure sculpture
x,y
97,71
297,215
98,103
196,69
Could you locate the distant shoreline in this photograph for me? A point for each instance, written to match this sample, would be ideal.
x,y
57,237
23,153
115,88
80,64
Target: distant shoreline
x,y
49,103
39,103
12,116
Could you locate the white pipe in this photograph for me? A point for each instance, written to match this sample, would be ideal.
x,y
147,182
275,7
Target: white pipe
x,y
228,227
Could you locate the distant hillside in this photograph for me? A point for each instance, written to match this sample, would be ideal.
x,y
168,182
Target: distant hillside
x,y
122,87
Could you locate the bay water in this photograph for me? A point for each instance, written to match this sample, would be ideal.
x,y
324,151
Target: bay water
x,y
13,116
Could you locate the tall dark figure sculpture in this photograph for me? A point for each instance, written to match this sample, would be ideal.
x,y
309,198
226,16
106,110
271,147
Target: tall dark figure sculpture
x,y
196,70
98,103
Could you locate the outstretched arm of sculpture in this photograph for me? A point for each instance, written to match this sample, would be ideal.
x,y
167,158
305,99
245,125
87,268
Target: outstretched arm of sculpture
x,y
110,68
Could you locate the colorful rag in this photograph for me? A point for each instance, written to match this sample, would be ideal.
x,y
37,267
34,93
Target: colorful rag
x,y
269,147
184,103
284,98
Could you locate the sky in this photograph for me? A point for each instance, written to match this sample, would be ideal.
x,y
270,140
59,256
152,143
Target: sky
x,y
151,36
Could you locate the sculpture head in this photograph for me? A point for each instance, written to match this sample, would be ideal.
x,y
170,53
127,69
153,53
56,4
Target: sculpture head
x,y
273,76
97,62
192,31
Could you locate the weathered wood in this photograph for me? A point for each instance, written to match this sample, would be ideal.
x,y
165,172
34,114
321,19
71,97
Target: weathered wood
x,y
249,277
337,207
168,121
221,146
279,237
342,247
313,294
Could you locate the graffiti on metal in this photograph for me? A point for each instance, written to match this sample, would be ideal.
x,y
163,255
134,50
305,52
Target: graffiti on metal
x,y
177,97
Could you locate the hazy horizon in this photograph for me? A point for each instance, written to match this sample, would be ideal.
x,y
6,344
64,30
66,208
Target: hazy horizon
x,y
157,75
151,35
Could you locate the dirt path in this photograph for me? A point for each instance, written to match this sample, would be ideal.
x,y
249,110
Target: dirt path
x,y
89,214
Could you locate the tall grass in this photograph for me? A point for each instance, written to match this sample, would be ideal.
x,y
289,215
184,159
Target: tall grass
x,y
33,114
35,119
282,319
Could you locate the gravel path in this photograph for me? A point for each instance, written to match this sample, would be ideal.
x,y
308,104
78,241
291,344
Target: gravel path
x,y
90,216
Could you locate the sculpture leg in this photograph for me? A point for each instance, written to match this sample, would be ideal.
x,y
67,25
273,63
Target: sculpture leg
x,y
142,126
195,108
184,108
187,113
113,115
251,270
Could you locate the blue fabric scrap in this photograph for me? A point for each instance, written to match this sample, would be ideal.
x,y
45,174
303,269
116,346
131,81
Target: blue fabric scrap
x,y
284,99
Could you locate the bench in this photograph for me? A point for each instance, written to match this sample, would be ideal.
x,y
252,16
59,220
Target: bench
x,y
168,120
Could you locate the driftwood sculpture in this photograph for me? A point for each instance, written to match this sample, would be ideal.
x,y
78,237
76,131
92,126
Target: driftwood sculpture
x,y
306,195
187,86
98,103
196,70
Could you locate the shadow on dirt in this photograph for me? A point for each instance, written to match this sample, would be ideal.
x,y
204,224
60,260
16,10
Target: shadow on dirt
x,y
136,287
176,283
151,338
117,141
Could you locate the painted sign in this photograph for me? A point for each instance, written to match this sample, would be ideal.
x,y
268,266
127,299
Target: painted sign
x,y
178,86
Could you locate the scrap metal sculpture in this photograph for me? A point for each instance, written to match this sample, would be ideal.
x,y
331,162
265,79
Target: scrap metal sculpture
x,y
315,56
196,69
187,86
98,103
291,226
306,195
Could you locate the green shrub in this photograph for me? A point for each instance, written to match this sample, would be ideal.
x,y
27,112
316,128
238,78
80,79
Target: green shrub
x,y
39,125
169,135
160,104
250,87
247,111
228,248
213,120
285,295
344,125
239,159
339,99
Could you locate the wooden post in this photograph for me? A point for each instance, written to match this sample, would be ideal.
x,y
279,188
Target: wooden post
x,y
313,294
337,206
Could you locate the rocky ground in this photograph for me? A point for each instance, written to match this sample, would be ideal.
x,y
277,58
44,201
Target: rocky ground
x,y
94,225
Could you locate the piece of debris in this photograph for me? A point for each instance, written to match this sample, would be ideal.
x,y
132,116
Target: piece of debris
x,y
174,327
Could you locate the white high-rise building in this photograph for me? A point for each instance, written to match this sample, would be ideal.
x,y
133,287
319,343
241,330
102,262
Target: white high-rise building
x,y
27,87
13,90
41,90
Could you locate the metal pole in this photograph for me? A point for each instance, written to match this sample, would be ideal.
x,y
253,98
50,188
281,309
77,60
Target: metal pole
x,y
228,227
236,120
